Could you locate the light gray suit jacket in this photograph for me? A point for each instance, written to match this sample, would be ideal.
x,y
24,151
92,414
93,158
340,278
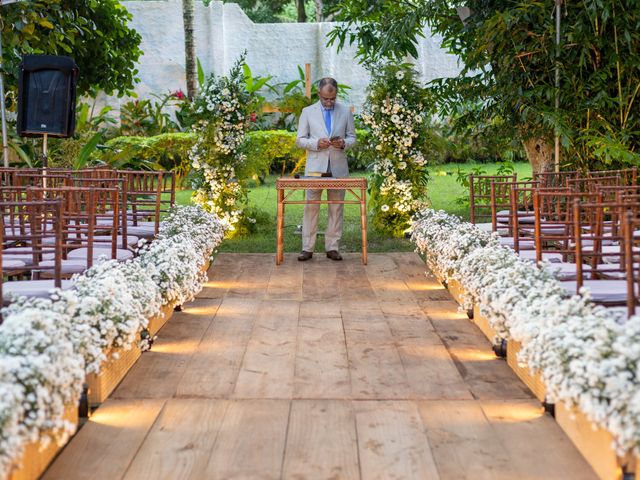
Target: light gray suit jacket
x,y
312,128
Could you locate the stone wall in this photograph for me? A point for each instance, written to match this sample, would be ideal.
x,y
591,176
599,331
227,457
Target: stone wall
x,y
223,32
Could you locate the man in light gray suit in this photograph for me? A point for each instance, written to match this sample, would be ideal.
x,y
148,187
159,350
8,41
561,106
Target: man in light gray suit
x,y
325,131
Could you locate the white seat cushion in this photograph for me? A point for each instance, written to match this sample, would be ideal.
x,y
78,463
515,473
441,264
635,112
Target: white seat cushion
x,y
68,266
81,253
531,255
142,231
10,264
31,288
602,291
567,271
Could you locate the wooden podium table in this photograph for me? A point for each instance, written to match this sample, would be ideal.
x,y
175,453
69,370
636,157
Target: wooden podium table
x,y
287,186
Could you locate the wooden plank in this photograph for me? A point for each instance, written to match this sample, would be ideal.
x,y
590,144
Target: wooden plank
x,y
180,442
105,446
320,283
268,367
321,441
251,441
254,276
392,442
488,377
285,282
322,365
529,435
464,444
432,374
352,281
158,372
424,285
387,281
223,275
213,370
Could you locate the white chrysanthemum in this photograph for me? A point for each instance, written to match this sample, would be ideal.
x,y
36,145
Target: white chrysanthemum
x,y
384,208
399,74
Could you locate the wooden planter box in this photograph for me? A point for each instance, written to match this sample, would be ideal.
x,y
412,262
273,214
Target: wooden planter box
x,y
594,445
157,322
112,371
483,324
35,461
456,291
530,380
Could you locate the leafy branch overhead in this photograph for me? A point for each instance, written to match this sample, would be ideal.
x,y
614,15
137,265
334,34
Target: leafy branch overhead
x,y
95,33
509,58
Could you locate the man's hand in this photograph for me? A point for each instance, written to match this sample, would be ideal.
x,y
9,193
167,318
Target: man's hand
x,y
324,143
338,143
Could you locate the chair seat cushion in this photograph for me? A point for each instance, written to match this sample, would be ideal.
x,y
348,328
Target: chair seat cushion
x,y
531,255
68,266
81,253
602,291
11,264
31,288
143,231
523,216
567,271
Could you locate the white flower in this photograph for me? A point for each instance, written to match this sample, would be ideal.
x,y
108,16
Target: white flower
x,y
399,74
384,208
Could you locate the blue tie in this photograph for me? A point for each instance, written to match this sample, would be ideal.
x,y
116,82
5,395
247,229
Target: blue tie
x,y
327,120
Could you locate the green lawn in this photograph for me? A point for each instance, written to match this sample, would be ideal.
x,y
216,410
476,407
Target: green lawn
x,y
443,193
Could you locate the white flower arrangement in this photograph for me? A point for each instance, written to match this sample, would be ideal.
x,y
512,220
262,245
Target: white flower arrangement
x,y
47,346
587,356
394,112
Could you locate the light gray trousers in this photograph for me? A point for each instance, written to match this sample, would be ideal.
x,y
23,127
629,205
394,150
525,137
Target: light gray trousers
x,y
334,223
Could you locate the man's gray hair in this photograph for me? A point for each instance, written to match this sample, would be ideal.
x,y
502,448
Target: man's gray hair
x,y
326,81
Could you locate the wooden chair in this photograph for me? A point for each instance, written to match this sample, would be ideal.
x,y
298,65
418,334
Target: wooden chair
x,y
480,210
600,255
145,200
592,184
26,247
553,230
82,212
629,176
555,179
519,205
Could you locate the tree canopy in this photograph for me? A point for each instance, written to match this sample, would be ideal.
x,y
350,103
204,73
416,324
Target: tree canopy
x,y
509,59
95,33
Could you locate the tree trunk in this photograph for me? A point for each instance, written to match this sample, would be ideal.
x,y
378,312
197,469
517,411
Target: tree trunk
x,y
319,10
302,14
540,154
189,48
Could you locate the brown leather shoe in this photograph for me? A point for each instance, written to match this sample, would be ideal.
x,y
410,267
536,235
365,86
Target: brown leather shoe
x,y
304,256
334,255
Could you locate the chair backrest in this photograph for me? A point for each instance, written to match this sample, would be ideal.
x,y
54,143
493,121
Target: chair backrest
x,y
630,229
555,179
85,212
592,184
503,202
101,182
144,191
554,223
521,207
29,231
629,176
480,195
605,229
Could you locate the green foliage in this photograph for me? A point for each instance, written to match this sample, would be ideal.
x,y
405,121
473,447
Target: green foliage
x,y
268,150
148,116
94,32
510,58
167,151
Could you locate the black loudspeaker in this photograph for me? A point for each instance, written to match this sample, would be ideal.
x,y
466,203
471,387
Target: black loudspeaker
x,y
47,96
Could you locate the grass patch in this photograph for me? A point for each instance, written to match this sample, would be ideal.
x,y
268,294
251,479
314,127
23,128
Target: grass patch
x,y
443,194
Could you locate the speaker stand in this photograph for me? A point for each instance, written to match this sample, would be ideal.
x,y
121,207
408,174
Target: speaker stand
x,y
44,158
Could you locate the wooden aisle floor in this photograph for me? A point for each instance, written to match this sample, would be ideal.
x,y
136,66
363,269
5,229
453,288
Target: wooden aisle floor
x,y
320,370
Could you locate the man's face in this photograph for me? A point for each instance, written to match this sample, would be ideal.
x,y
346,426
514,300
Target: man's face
x,y
327,97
